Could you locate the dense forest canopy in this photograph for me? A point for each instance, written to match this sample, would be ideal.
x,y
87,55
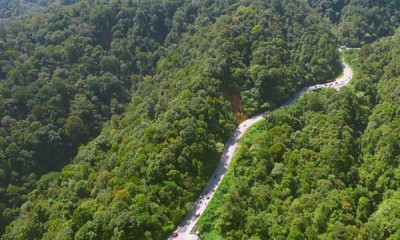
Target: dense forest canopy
x,y
26,8
360,21
325,168
63,74
114,113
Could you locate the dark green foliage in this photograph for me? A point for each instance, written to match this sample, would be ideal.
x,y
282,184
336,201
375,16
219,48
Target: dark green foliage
x,y
133,100
25,8
68,71
63,73
360,21
337,172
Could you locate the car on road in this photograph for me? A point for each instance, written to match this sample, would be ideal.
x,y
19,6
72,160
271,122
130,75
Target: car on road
x,y
186,227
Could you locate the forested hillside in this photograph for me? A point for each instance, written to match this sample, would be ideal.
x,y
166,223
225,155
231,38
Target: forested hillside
x,y
25,8
326,167
64,73
181,64
360,21
114,112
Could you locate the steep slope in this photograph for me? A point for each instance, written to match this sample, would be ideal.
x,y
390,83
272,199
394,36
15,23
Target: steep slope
x,y
185,229
360,21
157,71
140,176
324,168
66,71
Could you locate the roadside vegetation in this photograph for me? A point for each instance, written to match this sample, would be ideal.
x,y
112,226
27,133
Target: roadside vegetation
x,y
152,101
114,113
324,168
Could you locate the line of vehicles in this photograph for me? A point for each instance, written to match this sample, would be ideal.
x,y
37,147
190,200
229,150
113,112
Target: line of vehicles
x,y
185,231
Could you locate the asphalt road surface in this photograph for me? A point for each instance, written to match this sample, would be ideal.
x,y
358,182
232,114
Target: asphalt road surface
x,y
184,230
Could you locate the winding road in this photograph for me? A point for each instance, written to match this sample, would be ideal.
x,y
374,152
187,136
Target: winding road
x,y
184,230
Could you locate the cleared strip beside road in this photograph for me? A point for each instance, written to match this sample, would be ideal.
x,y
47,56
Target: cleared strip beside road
x,y
184,230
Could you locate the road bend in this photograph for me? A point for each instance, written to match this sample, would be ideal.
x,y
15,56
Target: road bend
x,y
185,228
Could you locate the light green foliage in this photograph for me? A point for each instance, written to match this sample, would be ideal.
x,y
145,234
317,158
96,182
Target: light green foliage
x,y
359,22
131,100
337,172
